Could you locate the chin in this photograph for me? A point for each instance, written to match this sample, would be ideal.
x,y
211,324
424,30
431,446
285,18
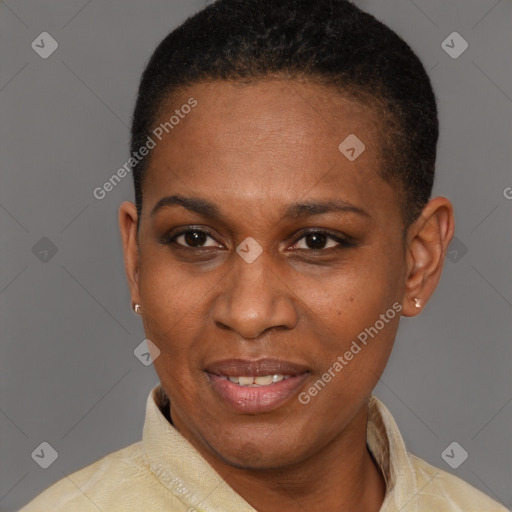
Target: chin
x,y
258,455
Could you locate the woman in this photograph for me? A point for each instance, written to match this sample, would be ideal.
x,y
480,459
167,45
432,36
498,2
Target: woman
x,y
283,157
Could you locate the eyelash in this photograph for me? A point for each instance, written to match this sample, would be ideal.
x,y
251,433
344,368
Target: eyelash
x,y
344,243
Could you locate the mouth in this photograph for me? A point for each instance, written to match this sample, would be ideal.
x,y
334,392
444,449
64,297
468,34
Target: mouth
x,y
256,386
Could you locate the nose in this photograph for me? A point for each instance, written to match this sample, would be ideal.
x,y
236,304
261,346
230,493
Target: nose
x,y
253,299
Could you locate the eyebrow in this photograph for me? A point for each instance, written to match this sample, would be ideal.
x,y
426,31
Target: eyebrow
x,y
295,210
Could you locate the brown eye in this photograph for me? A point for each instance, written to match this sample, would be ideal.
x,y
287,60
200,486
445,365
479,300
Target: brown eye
x,y
317,240
191,239
194,238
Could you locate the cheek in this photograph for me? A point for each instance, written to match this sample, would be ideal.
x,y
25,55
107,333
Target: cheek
x,y
353,297
172,296
355,314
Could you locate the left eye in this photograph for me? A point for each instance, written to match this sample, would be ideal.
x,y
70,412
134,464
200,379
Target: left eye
x,y
316,240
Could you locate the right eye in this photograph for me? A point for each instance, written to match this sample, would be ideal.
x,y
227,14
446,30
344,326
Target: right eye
x,y
190,238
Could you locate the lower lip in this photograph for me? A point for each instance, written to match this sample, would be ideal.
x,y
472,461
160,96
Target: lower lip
x,y
254,400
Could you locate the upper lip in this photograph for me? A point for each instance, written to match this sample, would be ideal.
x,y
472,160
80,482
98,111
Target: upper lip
x,y
254,367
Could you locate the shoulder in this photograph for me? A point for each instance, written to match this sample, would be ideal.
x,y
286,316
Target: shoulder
x,y
441,491
117,482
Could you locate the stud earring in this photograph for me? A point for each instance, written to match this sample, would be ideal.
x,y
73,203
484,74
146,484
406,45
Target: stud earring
x,y
136,308
417,302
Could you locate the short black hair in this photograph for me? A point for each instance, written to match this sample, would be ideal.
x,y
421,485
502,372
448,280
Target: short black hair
x,y
331,42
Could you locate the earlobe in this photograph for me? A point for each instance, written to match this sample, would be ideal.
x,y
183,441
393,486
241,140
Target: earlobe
x,y
428,240
127,218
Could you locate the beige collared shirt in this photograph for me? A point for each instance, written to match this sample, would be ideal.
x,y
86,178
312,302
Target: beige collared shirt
x,y
165,473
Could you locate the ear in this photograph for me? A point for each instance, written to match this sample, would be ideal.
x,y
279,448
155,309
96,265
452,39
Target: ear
x,y
128,226
427,243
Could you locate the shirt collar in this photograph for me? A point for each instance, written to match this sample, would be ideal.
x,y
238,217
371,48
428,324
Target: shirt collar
x,y
181,468
388,448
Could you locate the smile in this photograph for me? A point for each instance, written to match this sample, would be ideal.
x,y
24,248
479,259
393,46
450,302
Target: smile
x,y
256,386
263,380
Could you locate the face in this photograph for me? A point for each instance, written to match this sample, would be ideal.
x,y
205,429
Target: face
x,y
256,301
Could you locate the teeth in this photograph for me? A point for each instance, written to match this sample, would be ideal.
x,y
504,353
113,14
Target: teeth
x,y
262,380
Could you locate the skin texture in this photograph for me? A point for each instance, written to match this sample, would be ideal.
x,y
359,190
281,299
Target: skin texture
x,y
252,149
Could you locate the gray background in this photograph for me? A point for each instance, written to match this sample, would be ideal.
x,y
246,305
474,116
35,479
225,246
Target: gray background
x,y
67,369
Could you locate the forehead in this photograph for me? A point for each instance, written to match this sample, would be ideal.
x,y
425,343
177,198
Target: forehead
x,y
266,142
